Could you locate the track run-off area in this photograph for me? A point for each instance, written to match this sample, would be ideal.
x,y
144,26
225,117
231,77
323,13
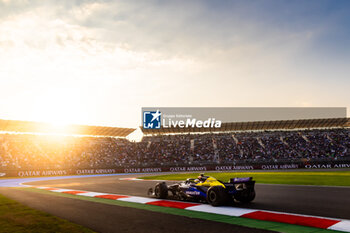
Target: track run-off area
x,y
110,203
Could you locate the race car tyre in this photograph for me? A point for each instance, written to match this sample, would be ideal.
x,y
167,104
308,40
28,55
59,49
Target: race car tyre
x,y
161,190
216,196
245,196
150,192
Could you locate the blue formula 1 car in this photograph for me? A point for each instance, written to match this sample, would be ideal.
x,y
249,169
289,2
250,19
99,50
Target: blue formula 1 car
x,y
207,189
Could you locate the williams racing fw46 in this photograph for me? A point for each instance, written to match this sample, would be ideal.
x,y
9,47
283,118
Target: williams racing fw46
x,y
207,189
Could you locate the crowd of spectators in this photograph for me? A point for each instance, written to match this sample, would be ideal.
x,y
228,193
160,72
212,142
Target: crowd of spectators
x,y
28,151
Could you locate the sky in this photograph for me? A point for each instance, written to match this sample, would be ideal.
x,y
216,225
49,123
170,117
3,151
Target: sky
x,y
99,62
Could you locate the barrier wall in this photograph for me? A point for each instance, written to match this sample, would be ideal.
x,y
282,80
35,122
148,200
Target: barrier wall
x,y
213,167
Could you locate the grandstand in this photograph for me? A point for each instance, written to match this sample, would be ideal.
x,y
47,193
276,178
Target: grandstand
x,y
299,142
83,130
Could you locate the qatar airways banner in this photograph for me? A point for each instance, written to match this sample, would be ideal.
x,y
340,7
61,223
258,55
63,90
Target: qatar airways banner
x,y
193,169
325,165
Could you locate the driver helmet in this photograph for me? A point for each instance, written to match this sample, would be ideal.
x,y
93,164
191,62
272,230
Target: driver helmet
x,y
202,177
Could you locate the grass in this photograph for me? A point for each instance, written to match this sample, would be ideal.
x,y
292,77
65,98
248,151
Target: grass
x,y
15,217
329,178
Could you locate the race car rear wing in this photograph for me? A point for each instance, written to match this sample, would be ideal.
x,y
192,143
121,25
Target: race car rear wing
x,y
241,180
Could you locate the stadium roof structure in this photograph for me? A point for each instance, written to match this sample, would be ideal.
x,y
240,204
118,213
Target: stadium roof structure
x,y
82,130
258,125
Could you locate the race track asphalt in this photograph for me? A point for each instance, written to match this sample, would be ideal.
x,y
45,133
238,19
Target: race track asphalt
x,y
327,201
311,200
107,218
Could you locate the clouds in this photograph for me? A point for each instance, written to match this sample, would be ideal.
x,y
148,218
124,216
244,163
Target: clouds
x,y
227,53
172,29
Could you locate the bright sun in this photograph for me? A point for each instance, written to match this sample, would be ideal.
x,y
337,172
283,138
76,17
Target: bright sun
x,y
58,107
